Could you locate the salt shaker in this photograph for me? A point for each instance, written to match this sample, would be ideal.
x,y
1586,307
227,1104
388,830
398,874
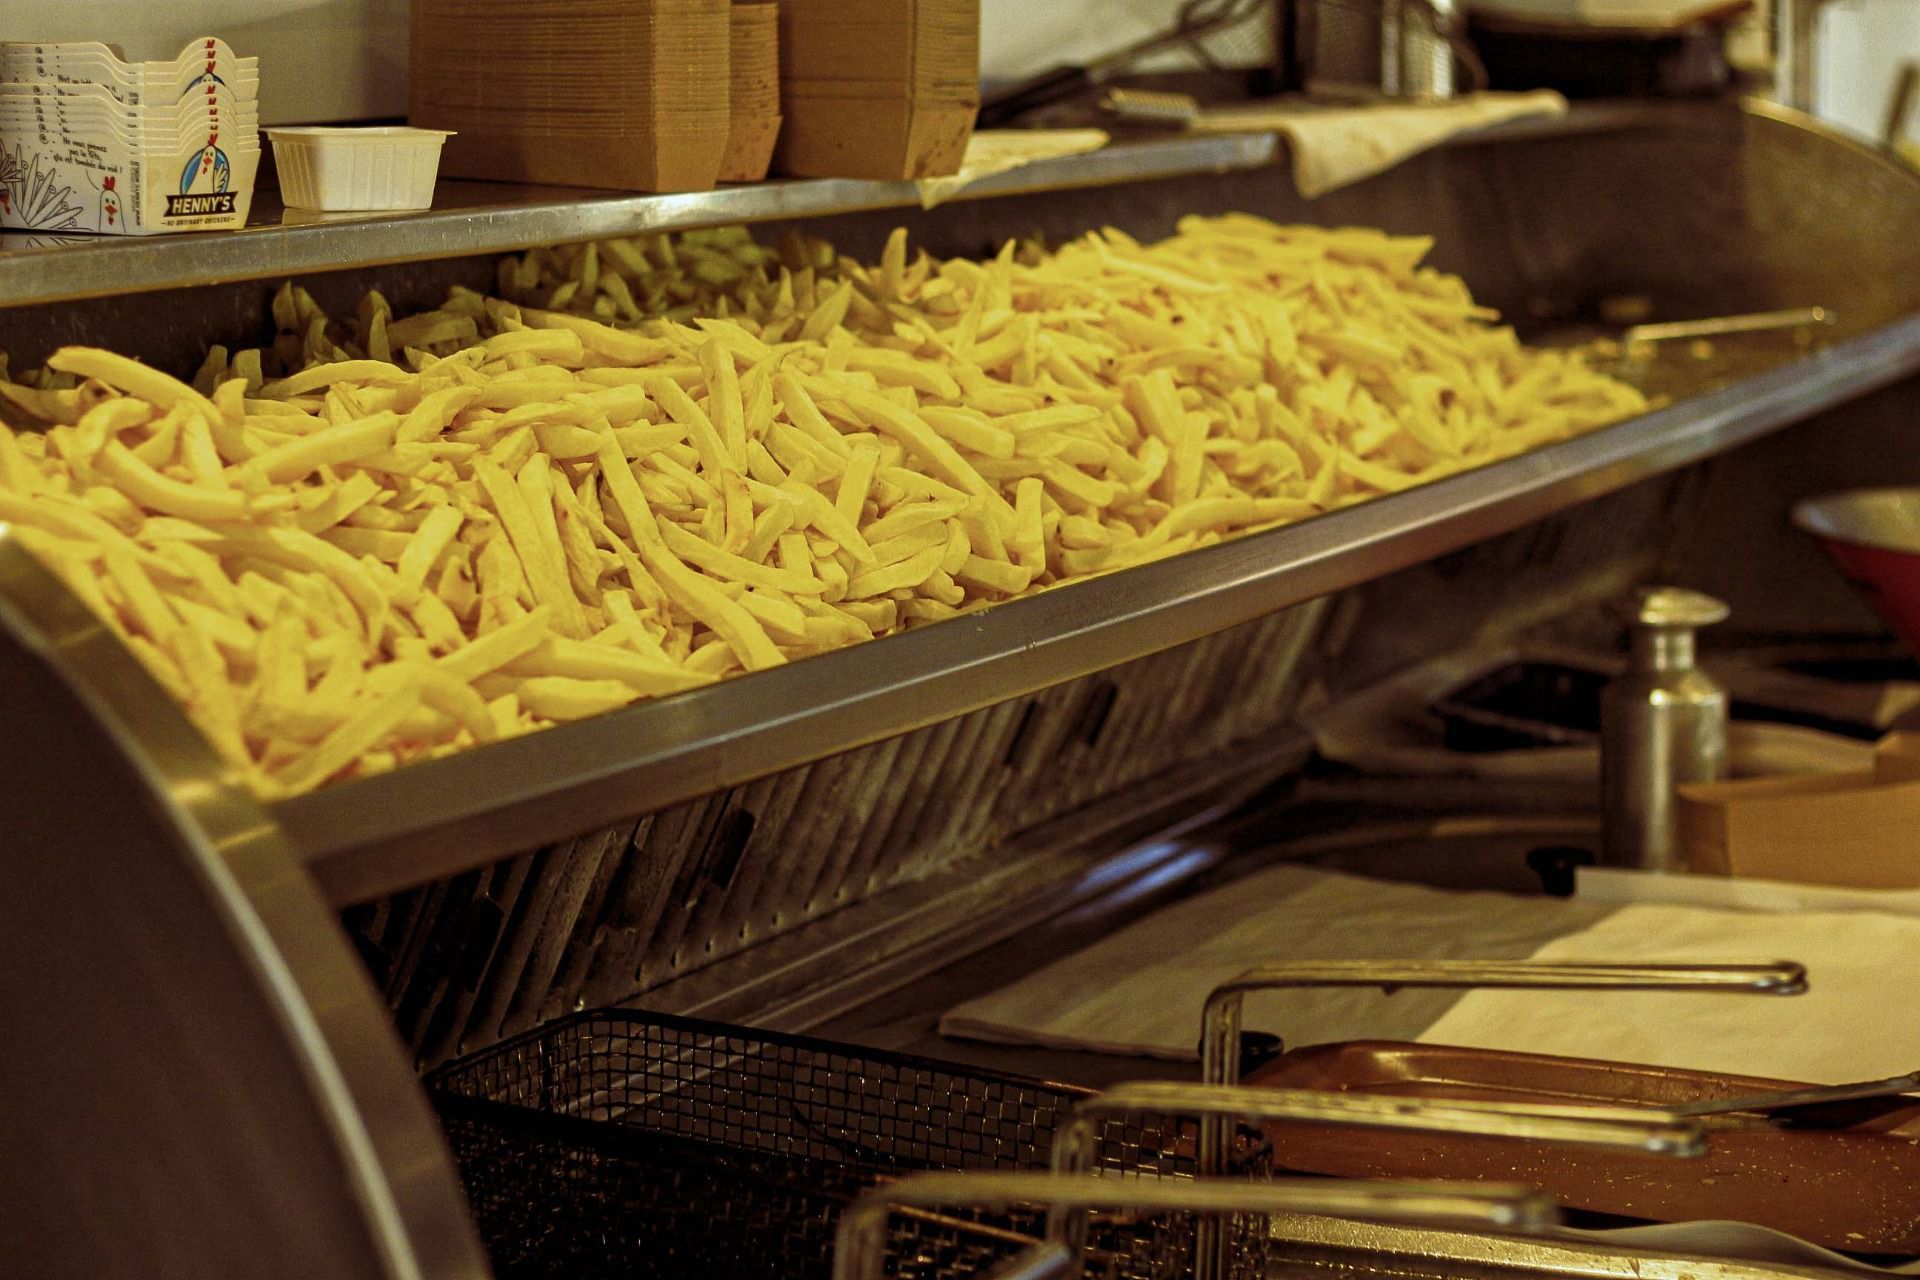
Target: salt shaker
x,y
1663,723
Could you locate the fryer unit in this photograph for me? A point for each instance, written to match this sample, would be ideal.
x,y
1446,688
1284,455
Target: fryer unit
x,y
202,1074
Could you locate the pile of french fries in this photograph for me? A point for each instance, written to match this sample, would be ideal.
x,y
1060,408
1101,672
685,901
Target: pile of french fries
x,y
655,463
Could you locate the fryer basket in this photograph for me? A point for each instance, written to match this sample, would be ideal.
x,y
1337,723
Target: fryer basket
x,y
618,1142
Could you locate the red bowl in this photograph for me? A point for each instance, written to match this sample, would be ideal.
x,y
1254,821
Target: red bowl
x,y
1874,536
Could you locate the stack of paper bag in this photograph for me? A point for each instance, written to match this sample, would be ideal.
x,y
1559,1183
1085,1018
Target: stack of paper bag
x,y
1850,829
755,69
877,88
628,94
92,143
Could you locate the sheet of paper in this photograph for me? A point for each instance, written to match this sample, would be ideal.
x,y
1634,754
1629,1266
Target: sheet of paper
x,y
1140,990
992,151
1854,1024
1731,893
1338,146
1633,15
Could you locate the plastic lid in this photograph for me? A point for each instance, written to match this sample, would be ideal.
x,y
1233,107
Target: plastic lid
x,y
1673,607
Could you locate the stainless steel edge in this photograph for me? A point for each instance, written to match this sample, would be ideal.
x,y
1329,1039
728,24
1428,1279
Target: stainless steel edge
x,y
473,218
190,900
378,835
478,218
861,1240
1315,1244
1637,1129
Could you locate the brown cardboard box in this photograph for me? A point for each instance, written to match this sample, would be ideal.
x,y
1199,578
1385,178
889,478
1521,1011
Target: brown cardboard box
x,y
1847,829
1896,758
626,94
877,88
755,97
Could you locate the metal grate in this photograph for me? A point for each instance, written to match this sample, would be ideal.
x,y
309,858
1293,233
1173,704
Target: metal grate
x,y
684,897
616,1140
609,916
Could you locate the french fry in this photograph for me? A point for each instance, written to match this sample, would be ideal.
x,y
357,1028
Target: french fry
x,y
132,377
156,492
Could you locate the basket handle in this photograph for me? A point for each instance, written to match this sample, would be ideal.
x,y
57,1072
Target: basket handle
x,y
1076,1145
1644,1130
1220,1025
860,1248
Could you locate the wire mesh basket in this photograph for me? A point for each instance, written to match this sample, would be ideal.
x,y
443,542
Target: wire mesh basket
x,y
613,1140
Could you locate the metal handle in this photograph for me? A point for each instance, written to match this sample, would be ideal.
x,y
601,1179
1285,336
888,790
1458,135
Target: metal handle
x,y
1900,106
1790,1099
1075,1147
1220,1027
1221,1021
860,1249
1720,326
1645,1130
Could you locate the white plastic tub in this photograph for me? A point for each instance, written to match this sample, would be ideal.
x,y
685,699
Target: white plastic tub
x,y
375,167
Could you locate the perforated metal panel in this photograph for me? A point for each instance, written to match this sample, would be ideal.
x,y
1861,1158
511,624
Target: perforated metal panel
x,y
606,917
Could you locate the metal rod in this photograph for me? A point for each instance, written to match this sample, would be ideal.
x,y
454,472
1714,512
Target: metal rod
x,y
1220,1024
1787,1099
1901,105
1718,326
860,1251
1076,1146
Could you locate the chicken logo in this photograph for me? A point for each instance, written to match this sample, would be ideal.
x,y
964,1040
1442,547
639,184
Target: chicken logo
x,y
109,205
205,183
207,170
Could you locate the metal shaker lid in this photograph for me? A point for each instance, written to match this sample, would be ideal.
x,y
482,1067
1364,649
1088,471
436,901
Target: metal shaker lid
x,y
1673,607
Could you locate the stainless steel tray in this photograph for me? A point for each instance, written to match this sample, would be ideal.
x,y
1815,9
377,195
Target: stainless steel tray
x,y
1691,208
435,819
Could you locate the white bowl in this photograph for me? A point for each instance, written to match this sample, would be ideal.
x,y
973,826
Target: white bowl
x,y
340,167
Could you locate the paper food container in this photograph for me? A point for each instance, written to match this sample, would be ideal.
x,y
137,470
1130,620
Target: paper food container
x,y
92,144
337,168
1854,830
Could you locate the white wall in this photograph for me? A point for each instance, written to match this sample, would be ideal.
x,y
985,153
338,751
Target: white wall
x,y
319,59
1862,44
1021,37
347,59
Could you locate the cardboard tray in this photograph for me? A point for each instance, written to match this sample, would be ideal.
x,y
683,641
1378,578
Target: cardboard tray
x,y
1852,829
1856,1188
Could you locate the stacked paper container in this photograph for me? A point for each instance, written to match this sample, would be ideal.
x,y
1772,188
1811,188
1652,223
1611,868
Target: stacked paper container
x,y
755,108
630,94
877,88
92,143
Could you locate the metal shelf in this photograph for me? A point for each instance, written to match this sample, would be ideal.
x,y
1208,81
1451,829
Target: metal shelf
x,y
471,218
365,838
